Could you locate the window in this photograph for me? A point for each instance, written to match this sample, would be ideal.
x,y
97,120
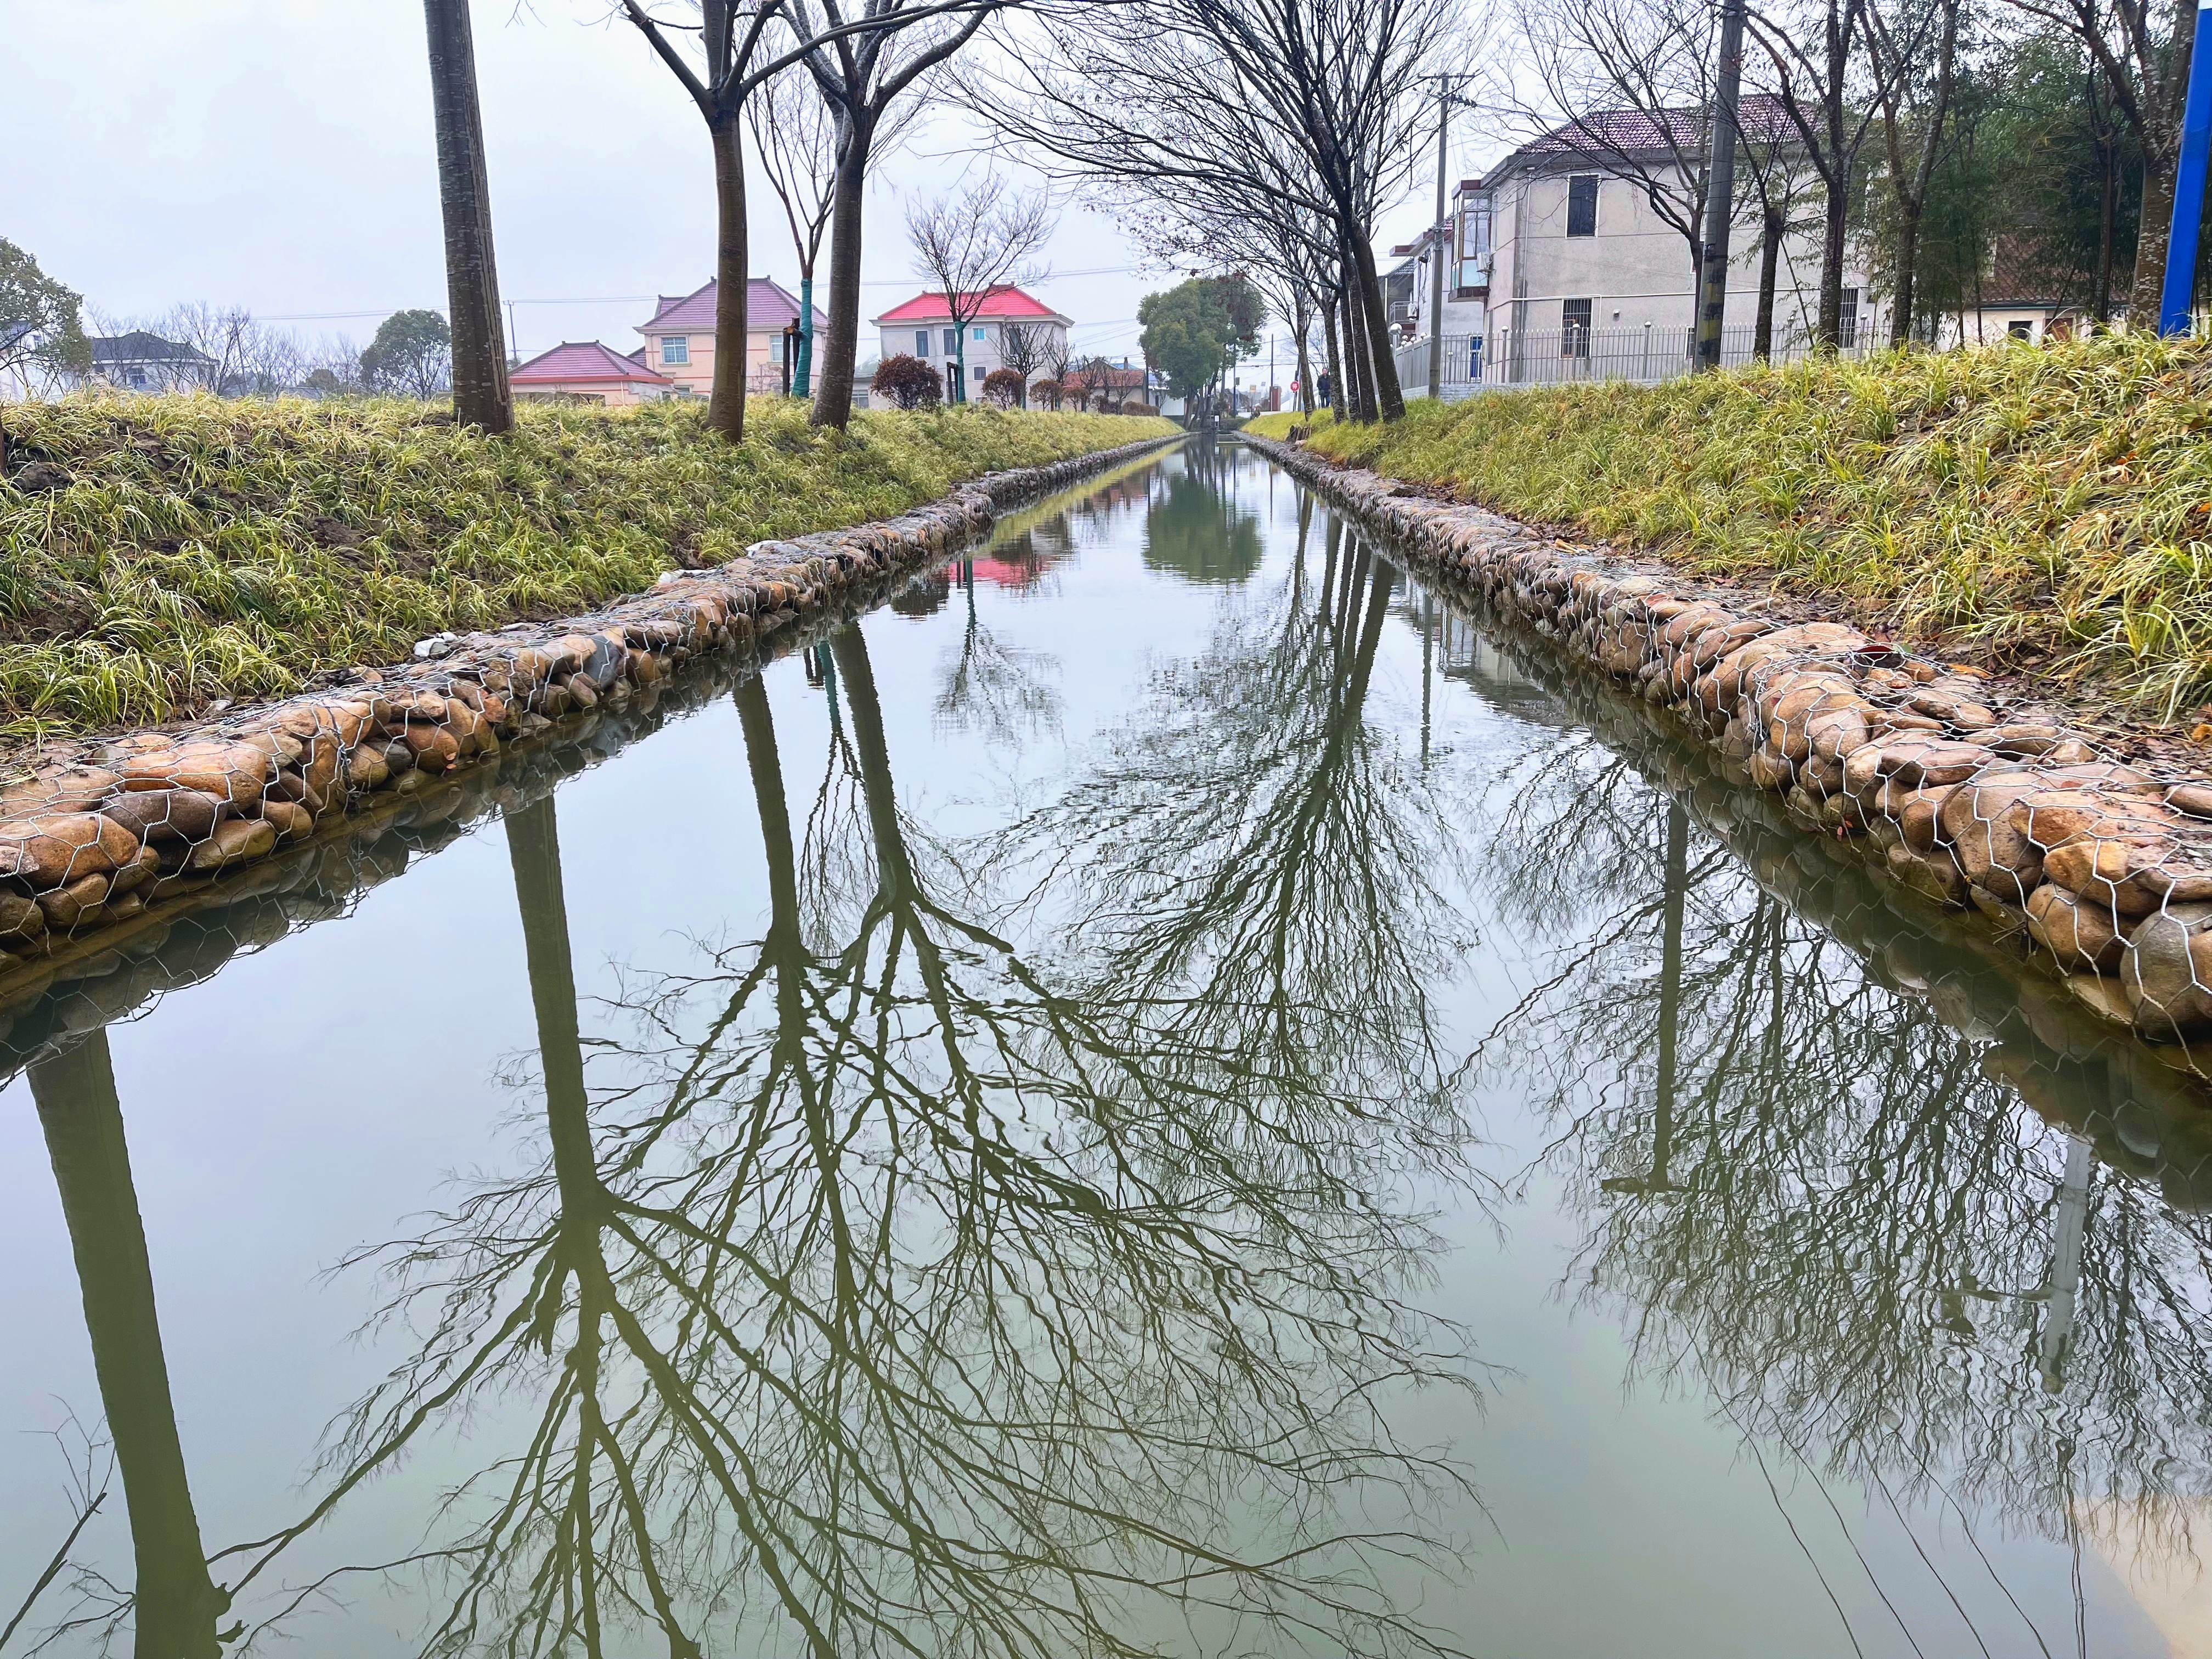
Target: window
x,y
921,342
675,349
981,335
1582,204
775,347
2021,328
975,371
136,377
1847,326
952,340
1574,328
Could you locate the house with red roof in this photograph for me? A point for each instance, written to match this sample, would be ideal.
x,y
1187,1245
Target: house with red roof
x,y
923,327
584,371
679,337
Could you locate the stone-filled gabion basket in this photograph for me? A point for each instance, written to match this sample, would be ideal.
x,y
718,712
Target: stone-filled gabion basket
x,y
1964,794
95,835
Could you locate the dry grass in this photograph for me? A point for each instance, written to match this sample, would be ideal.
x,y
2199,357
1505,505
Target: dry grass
x,y
2050,506
203,549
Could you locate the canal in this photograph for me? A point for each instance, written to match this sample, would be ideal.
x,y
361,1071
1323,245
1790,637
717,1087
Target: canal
x,y
1168,1088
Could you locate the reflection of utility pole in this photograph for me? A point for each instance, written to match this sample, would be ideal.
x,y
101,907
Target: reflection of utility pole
x,y
1670,1010
175,1602
2057,1342
1428,636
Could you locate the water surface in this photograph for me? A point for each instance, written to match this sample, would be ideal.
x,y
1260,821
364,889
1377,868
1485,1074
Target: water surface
x,y
1169,1090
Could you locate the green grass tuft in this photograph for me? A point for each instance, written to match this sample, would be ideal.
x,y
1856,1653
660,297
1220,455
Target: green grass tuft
x,y
203,549
2050,506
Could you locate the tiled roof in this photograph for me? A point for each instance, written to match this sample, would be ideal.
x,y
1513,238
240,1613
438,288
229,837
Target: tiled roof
x,y
1762,116
583,360
140,347
768,308
1006,300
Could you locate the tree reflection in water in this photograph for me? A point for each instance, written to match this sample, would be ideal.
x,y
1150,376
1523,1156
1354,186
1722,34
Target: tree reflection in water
x,y
1823,1204
901,1292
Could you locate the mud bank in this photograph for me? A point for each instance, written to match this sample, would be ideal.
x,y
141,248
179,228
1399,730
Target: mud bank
x,y
1972,797
106,831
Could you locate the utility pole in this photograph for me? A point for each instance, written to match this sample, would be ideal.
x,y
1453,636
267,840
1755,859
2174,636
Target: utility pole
x,y
1720,190
2174,298
1436,250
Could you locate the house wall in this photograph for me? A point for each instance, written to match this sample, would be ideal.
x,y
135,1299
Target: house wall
x,y
614,393
697,377
1635,269
984,354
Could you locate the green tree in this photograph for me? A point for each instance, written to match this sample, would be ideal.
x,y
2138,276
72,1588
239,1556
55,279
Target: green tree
x,y
412,355
39,330
1196,330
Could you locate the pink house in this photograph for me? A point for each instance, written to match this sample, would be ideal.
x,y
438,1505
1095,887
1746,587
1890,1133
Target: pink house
x,y
584,371
679,337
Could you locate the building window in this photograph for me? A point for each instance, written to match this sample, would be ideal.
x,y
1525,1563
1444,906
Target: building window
x,y
952,340
1574,328
775,347
136,378
2021,328
981,335
975,371
675,349
921,342
1847,325
1582,204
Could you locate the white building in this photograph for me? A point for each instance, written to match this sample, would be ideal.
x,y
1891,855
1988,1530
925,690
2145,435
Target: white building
x,y
922,327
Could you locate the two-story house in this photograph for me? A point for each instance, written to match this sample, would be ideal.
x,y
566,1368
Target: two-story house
x,y
679,337
1571,270
922,327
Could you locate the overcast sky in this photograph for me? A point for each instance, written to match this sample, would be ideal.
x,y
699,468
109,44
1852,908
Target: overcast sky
x,y
277,155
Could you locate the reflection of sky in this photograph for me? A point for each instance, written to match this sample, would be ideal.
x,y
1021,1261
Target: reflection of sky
x,y
312,1096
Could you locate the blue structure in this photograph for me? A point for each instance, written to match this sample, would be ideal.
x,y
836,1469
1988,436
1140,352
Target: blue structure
x,y
2188,185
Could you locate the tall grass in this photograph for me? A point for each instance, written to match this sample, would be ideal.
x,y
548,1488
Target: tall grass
x,y
201,549
2049,507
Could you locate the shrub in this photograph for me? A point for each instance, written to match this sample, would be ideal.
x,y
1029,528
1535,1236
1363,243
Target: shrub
x,y
1048,392
1136,406
1003,386
908,382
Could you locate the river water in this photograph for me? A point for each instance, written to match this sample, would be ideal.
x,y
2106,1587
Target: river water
x,y
1168,1090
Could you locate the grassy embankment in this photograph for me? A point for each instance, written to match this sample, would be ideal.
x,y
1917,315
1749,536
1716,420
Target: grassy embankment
x,y
170,551
2048,508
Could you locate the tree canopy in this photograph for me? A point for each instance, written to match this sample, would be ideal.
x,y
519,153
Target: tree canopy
x,y
39,329
1197,328
412,354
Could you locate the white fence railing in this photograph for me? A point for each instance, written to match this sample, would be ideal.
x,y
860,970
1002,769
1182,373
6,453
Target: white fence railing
x,y
1514,357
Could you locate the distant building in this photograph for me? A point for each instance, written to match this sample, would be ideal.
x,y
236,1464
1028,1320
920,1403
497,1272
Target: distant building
x,y
585,372
679,337
922,327
140,361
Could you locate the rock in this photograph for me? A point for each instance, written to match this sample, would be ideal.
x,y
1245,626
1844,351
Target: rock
x,y
2051,817
63,848
71,907
2135,875
2101,996
2194,798
1933,876
2166,972
1931,760
467,726
432,747
61,789
1992,851
365,768
140,871
233,772
21,918
291,820
1919,817
235,841
1768,770
2082,936
167,814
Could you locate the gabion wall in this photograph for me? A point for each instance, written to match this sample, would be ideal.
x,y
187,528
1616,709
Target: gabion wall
x,y
1958,791
99,835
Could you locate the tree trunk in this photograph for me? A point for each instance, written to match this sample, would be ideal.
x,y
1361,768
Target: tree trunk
x,y
726,409
1833,244
482,396
833,401
1770,255
1908,263
2107,203
2161,149
176,1604
1303,321
1389,398
1336,357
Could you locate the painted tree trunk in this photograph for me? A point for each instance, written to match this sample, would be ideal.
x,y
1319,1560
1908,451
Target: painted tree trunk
x,y
482,395
802,376
175,1603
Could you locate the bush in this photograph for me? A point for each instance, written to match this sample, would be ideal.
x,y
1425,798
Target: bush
x,y
908,382
1003,386
1137,406
1047,392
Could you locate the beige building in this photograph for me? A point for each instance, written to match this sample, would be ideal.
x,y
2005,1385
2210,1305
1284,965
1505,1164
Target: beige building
x,y
679,337
585,372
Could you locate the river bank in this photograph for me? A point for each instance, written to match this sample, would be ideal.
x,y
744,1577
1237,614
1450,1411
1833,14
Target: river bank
x,y
1955,786
101,833
163,554
2041,510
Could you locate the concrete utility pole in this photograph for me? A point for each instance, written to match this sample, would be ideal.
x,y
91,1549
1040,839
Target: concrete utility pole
x,y
1720,191
1436,252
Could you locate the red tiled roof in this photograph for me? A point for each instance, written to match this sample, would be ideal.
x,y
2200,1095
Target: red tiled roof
x,y
768,308
1003,301
575,361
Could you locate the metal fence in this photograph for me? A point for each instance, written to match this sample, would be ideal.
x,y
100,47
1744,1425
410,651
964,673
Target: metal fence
x,y
1647,355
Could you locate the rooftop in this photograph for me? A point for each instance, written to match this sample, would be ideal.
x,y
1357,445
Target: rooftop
x,y
1005,302
1761,117
575,361
768,306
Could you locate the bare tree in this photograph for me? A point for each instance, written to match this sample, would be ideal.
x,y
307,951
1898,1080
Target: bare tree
x,y
972,245
482,396
1022,348
861,68
1914,96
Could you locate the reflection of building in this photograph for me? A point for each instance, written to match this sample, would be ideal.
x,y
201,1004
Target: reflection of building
x,y
679,337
